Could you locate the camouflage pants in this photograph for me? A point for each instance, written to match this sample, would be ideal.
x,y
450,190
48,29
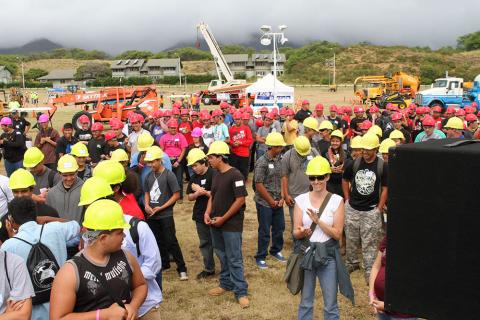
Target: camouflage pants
x,y
362,229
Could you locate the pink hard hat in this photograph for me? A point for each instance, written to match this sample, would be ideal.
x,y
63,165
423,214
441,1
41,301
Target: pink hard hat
x,y
43,118
197,132
6,121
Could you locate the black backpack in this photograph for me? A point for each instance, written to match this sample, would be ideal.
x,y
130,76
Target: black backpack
x,y
134,233
43,267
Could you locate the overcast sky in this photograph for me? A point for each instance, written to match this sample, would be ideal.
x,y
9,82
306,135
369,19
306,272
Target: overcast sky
x,y
117,25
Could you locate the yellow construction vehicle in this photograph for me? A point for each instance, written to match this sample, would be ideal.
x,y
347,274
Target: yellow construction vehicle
x,y
380,90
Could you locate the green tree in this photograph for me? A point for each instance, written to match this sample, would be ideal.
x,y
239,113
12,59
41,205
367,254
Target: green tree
x,y
134,54
93,71
34,74
469,41
236,49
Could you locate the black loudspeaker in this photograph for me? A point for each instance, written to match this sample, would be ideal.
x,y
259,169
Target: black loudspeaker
x,y
433,257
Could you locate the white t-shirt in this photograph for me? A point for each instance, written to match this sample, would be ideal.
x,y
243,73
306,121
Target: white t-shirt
x,y
6,195
303,202
208,135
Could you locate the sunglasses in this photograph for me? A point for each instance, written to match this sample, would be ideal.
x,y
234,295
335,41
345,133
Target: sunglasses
x,y
319,178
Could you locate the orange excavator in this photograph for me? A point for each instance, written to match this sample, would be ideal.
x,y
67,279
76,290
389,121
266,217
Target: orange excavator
x,y
108,103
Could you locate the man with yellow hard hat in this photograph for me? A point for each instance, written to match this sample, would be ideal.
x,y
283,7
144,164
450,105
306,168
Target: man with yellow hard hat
x,y
294,180
65,195
80,152
454,128
365,191
45,178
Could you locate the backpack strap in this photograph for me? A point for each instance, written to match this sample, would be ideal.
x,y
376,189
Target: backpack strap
x,y
51,178
356,165
134,234
6,270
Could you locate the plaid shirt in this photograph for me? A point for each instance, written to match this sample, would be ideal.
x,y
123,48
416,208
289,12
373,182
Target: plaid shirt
x,y
268,172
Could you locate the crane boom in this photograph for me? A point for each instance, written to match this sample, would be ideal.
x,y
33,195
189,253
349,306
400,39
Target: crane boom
x,y
220,61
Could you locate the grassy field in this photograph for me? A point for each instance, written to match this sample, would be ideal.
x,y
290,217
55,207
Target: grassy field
x,y
268,294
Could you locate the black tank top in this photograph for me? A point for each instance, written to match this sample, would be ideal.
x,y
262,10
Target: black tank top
x,y
91,293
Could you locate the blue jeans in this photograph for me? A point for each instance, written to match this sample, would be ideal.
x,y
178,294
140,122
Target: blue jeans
x,y
383,316
10,167
269,220
228,248
296,243
327,275
206,247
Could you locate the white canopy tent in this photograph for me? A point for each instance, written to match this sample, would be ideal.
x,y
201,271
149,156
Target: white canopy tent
x,y
265,89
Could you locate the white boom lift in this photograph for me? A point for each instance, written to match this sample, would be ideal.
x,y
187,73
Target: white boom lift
x,y
220,62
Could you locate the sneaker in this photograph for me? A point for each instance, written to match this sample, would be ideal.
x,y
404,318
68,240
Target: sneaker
x,y
244,303
183,276
216,291
262,264
205,274
279,256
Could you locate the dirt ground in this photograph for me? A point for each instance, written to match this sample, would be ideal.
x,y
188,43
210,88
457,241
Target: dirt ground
x,y
268,294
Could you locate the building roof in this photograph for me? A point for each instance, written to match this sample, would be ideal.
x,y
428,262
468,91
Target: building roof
x,y
236,57
163,63
130,63
59,74
268,57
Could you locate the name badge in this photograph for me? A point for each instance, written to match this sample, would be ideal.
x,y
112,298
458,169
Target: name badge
x,y
309,158
203,181
176,140
271,166
239,183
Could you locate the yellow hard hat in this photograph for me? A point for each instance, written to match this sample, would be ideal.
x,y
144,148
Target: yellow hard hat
x,y
79,150
153,153
311,123
94,188
275,139
302,145
370,141
111,171
325,125
356,142
386,144
195,155
454,123
105,215
218,147
375,129
32,157
119,155
318,166
21,179
145,141
338,134
67,164
396,134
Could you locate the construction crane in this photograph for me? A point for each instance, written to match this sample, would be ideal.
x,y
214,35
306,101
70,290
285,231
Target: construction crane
x,y
221,64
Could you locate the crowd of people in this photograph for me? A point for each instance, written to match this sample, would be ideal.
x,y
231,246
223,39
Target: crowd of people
x,y
88,222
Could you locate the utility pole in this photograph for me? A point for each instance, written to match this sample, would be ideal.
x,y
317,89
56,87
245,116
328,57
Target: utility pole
x,y
334,69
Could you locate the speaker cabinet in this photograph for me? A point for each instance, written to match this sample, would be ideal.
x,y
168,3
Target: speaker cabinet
x,y
433,254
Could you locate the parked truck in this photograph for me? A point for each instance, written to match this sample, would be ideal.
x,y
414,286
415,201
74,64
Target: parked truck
x,y
450,92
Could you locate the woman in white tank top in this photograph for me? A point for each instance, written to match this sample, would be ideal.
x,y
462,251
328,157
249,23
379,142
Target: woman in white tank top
x,y
328,230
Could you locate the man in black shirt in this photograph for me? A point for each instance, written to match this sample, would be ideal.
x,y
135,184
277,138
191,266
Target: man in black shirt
x,y
19,123
13,144
325,129
359,118
198,190
304,112
225,213
334,118
97,145
364,185
65,143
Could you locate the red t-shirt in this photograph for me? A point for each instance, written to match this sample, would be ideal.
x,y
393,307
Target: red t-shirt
x,y
130,206
241,134
186,129
379,286
197,124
